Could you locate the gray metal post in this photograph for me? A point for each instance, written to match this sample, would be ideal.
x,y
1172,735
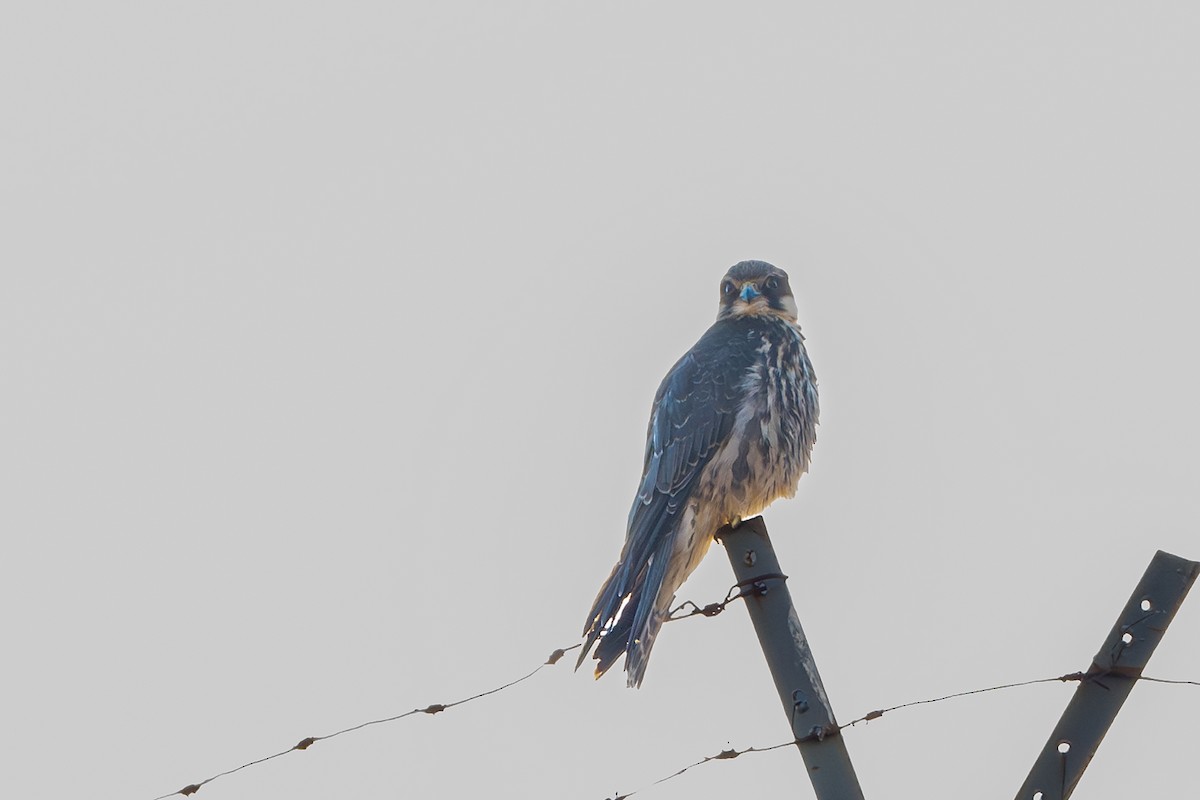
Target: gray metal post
x,y
790,659
1106,684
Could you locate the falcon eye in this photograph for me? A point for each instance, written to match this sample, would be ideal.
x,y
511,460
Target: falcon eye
x,y
772,283
727,288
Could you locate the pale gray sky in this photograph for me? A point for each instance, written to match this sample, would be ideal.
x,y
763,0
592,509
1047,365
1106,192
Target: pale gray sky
x,y
329,334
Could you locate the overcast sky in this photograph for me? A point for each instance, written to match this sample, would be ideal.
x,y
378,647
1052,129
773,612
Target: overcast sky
x,y
329,335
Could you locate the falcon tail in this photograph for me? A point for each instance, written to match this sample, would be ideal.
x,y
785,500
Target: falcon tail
x,y
666,545
629,628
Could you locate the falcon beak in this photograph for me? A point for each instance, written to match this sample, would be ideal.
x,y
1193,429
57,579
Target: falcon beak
x,y
749,292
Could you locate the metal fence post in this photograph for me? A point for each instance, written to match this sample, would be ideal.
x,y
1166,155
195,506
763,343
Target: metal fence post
x,y
1115,669
785,646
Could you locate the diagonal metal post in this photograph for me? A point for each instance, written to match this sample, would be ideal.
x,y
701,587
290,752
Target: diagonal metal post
x,y
790,659
1115,669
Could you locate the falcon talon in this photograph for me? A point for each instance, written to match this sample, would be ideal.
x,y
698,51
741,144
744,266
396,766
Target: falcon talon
x,y
731,430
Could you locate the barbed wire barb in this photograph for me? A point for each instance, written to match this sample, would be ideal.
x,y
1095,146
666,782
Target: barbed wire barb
x,y
724,755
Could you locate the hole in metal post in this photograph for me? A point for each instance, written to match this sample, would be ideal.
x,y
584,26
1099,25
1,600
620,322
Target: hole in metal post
x,y
1037,796
1064,747
1127,638
1147,605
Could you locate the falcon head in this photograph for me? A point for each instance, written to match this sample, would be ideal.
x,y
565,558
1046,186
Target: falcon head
x,y
756,288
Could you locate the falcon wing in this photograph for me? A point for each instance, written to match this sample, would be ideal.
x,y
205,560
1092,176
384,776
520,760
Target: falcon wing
x,y
692,415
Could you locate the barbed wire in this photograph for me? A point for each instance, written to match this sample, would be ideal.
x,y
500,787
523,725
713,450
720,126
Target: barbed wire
x,y
711,610
728,754
873,715
736,592
433,708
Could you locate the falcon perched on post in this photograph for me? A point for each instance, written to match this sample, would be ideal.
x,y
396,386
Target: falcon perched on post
x,y
731,430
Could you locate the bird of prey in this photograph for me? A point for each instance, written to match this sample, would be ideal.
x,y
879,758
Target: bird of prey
x,y
731,429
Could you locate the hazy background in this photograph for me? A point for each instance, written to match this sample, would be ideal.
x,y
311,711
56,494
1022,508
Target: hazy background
x,y
329,334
